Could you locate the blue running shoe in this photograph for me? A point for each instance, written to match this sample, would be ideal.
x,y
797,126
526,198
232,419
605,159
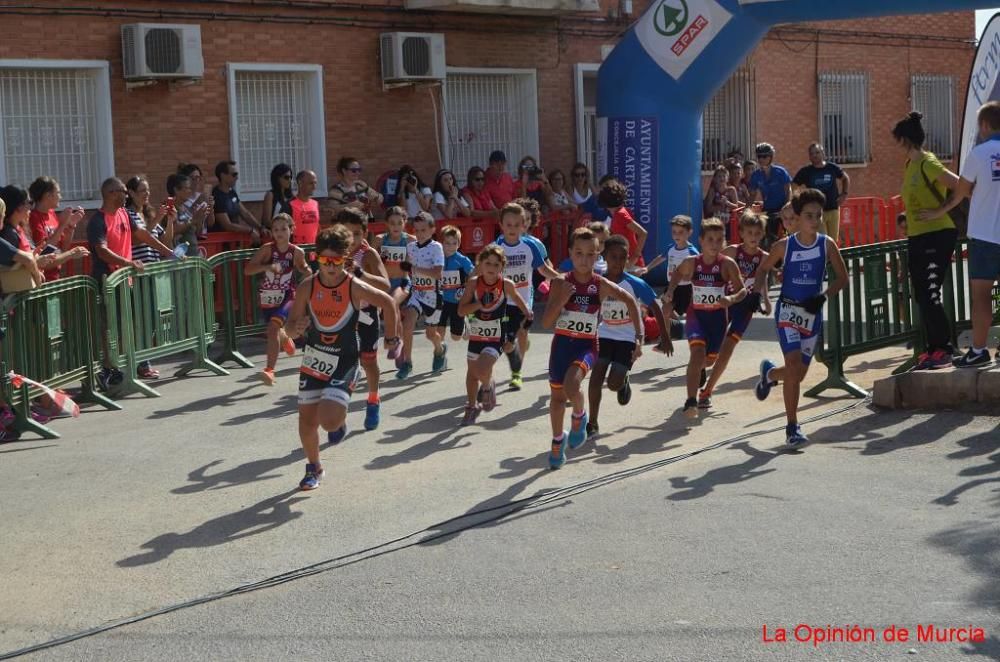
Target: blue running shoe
x,y
404,370
440,362
337,435
578,431
312,478
372,416
763,387
557,456
794,436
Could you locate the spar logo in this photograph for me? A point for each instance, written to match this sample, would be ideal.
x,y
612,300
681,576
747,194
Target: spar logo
x,y
672,18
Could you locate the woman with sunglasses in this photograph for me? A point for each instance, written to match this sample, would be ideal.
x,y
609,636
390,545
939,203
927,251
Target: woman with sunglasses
x,y
581,193
351,191
559,198
326,310
477,197
279,199
448,200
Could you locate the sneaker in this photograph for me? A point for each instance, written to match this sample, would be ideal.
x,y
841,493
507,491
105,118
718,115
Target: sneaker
x,y
972,360
942,359
116,378
921,363
763,387
704,400
394,352
440,362
557,455
794,436
39,416
703,379
146,371
471,414
404,370
312,478
592,430
267,376
578,430
516,382
691,408
489,396
338,435
625,393
103,379
288,346
372,415
7,417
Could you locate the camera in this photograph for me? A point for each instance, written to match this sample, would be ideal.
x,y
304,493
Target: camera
x,y
412,178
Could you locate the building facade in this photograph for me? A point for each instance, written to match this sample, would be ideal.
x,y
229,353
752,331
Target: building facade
x,y
300,81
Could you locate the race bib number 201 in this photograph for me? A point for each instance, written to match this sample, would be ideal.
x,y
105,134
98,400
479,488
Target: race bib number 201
x,y
796,317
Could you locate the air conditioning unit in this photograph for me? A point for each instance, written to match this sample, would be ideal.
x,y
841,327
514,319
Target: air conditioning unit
x,y
159,50
409,57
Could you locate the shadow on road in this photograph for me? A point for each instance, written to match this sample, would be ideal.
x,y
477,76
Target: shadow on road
x,y
248,472
688,488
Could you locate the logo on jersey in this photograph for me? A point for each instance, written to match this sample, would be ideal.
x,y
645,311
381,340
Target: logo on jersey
x,y
592,289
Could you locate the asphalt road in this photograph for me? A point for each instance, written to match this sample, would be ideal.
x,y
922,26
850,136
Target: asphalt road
x,y
660,540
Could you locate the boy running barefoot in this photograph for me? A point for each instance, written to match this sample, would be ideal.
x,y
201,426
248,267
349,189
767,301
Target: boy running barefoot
x,y
573,309
799,313
485,302
326,311
367,266
710,273
748,256
277,260
523,259
457,269
616,334
425,262
392,249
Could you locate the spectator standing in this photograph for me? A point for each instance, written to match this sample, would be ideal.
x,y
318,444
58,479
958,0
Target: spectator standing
x,y
582,194
151,237
15,231
735,170
49,231
980,180
721,198
413,194
305,210
448,201
559,198
190,218
531,181
480,201
772,185
200,192
351,191
829,178
612,197
279,199
499,184
931,240
230,215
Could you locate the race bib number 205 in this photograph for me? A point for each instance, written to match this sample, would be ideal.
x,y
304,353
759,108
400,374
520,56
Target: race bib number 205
x,y
577,324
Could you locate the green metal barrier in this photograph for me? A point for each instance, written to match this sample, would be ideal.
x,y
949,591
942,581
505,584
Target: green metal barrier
x,y
52,339
168,308
236,302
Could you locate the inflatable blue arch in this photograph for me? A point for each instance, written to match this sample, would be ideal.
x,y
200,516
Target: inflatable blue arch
x,y
653,87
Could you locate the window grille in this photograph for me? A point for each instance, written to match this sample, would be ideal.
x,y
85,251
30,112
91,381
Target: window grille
x,y
728,120
934,96
50,126
489,111
844,111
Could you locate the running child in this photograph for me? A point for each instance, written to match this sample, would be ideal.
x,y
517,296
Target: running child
x,y
799,312
532,215
616,335
681,249
523,260
326,310
602,233
425,263
367,266
748,256
457,269
392,249
573,310
705,323
485,301
277,260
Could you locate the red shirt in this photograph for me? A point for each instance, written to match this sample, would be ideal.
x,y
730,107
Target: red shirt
x,y
481,201
500,189
621,222
115,231
43,226
306,217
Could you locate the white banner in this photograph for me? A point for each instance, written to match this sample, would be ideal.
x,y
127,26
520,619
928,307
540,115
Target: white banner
x,y
675,32
984,84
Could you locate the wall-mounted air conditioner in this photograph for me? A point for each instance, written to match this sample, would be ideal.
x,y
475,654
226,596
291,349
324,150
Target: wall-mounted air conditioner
x,y
158,50
409,57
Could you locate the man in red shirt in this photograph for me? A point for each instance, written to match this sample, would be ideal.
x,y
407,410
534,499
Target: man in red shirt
x,y
612,197
499,184
305,210
109,232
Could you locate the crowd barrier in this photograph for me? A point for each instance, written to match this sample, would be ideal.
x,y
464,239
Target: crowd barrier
x,y
54,328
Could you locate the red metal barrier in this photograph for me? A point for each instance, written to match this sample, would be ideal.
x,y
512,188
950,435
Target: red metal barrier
x,y
477,233
862,222
894,206
558,226
220,242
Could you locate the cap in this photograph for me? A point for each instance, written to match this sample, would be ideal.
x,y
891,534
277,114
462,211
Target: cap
x,y
497,156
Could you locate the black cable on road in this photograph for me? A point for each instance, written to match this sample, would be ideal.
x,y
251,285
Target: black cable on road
x,y
437,531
